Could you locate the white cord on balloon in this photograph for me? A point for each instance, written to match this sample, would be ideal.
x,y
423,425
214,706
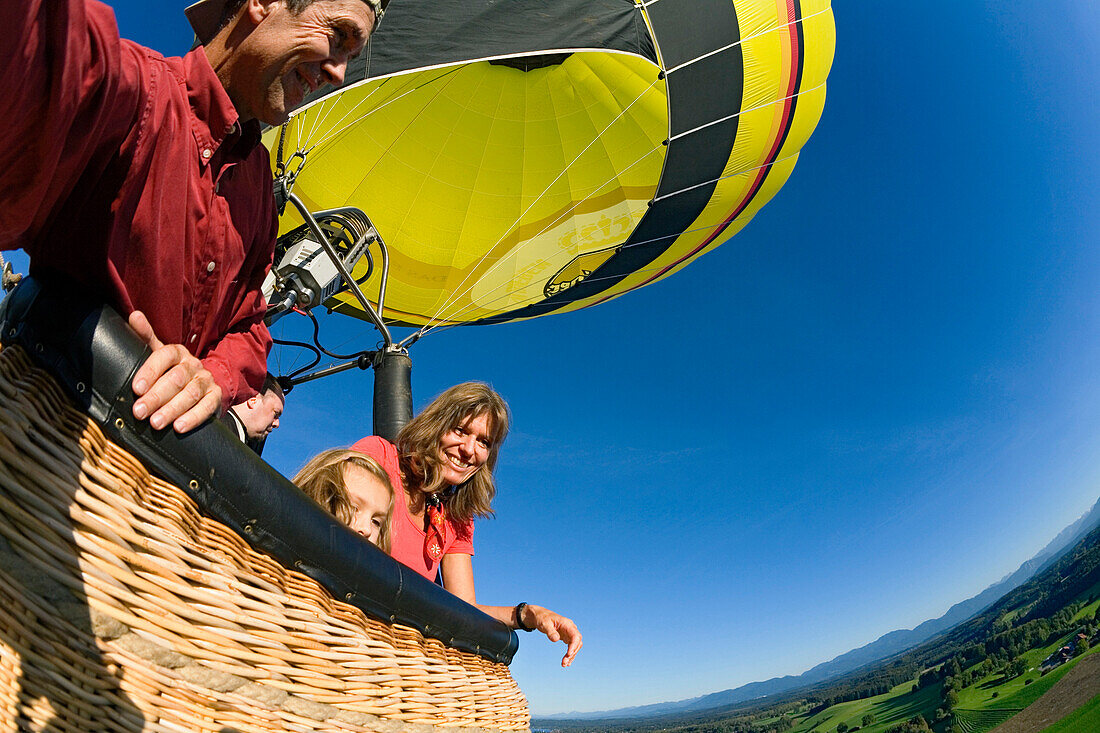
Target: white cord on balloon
x,y
456,318
455,295
743,39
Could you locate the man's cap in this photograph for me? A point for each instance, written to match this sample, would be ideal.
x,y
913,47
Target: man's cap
x,y
205,16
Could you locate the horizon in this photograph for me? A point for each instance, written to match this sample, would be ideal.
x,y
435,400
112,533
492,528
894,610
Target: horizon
x,y
585,715
874,402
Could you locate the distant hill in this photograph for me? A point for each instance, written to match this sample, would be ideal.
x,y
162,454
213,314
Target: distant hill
x,y
898,641
885,646
1038,613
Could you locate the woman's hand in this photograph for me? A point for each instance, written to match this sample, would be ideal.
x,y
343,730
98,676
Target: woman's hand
x,y
458,578
556,627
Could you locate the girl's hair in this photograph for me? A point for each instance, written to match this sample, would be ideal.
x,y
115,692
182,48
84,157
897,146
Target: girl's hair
x,y
322,479
418,445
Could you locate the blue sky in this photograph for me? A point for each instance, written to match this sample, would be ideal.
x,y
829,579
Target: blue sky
x,y
876,400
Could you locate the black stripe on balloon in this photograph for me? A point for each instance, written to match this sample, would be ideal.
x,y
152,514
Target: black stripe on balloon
x,y
417,34
707,90
800,47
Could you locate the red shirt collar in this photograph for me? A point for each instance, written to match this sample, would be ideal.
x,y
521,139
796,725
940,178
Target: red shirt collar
x,y
214,119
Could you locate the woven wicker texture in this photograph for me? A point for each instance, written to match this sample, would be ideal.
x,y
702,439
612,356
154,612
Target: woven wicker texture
x,y
123,608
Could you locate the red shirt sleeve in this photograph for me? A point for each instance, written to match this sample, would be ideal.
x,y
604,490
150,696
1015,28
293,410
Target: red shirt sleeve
x,y
238,362
463,543
63,87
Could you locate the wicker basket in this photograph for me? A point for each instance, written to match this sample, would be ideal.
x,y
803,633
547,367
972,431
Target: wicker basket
x,y
123,608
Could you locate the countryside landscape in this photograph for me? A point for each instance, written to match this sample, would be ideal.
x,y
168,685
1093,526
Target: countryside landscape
x,y
1025,661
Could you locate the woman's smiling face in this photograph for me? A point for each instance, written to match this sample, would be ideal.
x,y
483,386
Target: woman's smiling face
x,y
465,448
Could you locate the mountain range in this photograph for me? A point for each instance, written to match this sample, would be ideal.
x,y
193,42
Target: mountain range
x,y
885,646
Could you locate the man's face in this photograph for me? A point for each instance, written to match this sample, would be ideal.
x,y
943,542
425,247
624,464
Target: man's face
x,y
286,56
260,414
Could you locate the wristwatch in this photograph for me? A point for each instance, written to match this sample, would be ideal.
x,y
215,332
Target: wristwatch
x,y
520,608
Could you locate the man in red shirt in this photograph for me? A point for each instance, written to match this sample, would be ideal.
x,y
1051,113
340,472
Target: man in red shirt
x,y
142,178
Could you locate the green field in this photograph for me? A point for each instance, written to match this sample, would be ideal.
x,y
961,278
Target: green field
x,y
1014,693
975,721
978,711
1085,718
889,709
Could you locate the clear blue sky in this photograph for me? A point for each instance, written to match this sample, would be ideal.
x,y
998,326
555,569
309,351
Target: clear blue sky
x,y
880,397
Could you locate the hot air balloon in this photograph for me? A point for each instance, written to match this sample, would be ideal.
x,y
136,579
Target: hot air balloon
x,y
526,158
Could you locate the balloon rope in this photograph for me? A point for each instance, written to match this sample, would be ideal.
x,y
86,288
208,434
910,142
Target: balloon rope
x,y
457,320
321,119
486,304
741,40
441,316
455,295
701,127
315,115
321,115
334,133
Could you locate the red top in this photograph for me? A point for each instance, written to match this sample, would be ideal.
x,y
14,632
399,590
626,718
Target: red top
x,y
128,173
406,534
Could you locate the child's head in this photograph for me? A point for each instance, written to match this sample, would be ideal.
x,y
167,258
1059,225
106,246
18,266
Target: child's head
x,y
352,487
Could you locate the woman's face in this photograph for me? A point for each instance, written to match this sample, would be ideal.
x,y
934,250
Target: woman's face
x,y
464,449
371,500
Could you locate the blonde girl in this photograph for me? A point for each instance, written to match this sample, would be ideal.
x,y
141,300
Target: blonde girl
x,y
352,487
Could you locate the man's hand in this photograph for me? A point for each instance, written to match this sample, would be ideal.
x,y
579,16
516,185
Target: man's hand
x,y
172,386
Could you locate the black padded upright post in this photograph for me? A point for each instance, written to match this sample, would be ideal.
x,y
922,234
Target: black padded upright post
x,y
393,406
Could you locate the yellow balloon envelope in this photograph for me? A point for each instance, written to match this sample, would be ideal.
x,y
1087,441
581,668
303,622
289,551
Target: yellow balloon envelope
x,y
527,157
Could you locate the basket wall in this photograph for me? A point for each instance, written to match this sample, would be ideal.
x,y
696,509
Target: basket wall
x,y
123,608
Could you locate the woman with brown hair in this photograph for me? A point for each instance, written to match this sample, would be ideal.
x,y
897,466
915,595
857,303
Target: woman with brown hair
x,y
442,473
